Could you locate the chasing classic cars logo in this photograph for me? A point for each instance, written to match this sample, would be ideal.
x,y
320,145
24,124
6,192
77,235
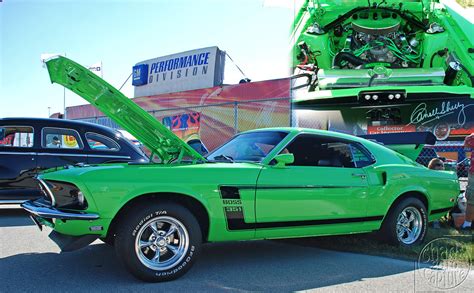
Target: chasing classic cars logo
x,y
443,264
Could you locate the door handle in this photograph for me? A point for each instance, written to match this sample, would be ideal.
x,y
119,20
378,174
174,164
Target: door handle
x,y
362,176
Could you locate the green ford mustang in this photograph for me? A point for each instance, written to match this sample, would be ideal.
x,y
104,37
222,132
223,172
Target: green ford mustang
x,y
262,184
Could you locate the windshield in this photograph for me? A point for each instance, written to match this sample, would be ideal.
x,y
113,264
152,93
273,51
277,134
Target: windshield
x,y
253,147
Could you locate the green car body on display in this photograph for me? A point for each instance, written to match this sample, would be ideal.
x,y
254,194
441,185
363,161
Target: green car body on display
x,y
349,50
262,184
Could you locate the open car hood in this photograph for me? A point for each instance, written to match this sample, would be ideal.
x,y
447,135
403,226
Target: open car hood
x,y
159,139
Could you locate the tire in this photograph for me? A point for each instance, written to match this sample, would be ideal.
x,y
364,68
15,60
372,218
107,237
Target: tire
x,y
151,226
397,230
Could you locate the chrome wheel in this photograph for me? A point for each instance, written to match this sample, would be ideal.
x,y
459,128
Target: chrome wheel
x,y
409,225
161,243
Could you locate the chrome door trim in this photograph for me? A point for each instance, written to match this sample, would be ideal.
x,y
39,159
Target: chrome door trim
x,y
84,155
11,201
109,156
18,153
62,154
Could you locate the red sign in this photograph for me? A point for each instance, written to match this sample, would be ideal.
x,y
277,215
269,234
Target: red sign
x,y
390,129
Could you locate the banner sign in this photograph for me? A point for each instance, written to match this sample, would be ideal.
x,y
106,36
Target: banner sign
x,y
196,69
185,126
390,129
260,104
449,119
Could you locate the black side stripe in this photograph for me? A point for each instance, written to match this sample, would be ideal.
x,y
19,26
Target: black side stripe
x,y
236,221
225,190
301,187
439,211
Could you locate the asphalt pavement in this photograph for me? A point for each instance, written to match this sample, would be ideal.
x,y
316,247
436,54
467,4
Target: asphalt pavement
x,y
29,261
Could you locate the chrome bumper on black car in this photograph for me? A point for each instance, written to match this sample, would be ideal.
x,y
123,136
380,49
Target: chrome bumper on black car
x,y
44,211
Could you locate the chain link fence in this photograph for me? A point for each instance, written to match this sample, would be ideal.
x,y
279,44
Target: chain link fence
x,y
215,124
452,153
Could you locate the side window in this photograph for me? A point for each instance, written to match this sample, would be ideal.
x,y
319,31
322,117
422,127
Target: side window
x,y
98,142
361,156
60,138
16,136
314,150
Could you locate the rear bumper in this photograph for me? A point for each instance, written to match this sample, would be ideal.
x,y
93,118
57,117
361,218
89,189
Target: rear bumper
x,y
40,210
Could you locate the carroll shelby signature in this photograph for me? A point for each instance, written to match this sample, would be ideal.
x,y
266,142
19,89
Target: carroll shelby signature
x,y
421,115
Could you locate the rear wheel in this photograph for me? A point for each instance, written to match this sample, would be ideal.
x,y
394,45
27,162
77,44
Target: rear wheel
x,y
158,243
406,223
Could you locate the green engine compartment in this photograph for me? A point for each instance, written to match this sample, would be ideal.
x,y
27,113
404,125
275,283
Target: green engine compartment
x,y
410,42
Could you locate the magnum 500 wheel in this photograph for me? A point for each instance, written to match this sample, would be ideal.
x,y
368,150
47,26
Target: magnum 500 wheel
x,y
158,242
406,223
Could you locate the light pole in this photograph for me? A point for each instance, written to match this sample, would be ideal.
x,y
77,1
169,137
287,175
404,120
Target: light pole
x,y
44,58
49,112
64,99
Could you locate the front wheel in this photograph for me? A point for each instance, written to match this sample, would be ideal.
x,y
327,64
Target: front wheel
x,y
158,243
406,223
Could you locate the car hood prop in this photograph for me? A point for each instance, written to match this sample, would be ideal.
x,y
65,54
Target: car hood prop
x,y
159,139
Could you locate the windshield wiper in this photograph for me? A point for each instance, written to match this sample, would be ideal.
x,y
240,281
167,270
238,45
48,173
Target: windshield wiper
x,y
227,158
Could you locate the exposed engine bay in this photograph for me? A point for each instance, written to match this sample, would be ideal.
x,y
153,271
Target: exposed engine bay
x,y
364,41
370,45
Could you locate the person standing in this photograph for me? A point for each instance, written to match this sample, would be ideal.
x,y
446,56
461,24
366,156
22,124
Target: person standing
x,y
436,164
469,144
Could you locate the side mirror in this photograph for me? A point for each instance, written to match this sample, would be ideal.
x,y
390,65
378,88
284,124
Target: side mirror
x,y
283,159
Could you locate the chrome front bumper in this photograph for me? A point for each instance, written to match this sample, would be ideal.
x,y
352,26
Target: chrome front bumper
x,y
43,211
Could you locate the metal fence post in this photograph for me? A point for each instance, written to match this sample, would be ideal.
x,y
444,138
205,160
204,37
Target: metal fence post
x,y
236,117
291,112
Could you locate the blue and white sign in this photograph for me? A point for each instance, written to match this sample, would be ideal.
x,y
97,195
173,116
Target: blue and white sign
x,y
140,75
196,69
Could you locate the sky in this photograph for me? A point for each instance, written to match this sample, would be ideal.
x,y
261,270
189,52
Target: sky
x,y
255,33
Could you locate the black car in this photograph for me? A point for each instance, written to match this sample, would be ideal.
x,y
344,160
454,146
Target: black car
x,y
30,145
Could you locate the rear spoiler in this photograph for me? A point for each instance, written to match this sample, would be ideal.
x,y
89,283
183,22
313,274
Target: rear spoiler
x,y
409,144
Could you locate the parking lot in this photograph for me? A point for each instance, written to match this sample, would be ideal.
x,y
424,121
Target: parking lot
x,y
29,261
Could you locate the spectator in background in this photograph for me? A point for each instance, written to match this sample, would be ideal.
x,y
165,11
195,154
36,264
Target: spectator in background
x,y
469,144
55,143
436,164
